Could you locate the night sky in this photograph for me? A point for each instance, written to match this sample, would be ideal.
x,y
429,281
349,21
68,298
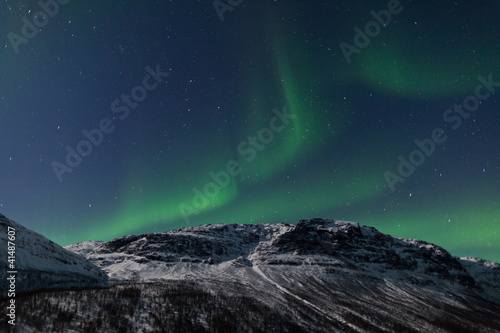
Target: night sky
x,y
126,117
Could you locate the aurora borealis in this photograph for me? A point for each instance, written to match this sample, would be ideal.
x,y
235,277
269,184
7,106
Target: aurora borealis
x,y
227,81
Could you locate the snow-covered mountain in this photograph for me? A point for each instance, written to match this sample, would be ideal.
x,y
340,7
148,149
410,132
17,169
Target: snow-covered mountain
x,y
328,275
220,250
42,264
316,276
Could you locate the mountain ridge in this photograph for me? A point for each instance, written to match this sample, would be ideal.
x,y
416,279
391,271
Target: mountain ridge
x,y
42,264
352,277
340,243
318,275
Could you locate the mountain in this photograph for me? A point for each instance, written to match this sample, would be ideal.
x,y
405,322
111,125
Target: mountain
x,y
217,249
42,264
352,277
316,276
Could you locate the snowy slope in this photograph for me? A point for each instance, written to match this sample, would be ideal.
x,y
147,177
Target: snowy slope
x,y
239,252
485,273
316,276
231,252
330,276
42,264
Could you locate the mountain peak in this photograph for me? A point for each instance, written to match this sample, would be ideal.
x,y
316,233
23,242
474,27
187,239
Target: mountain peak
x,y
319,275
42,264
322,243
